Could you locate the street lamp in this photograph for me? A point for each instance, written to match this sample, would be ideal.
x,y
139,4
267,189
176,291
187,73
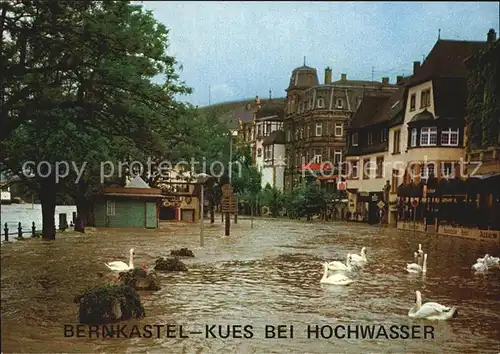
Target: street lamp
x,y
202,178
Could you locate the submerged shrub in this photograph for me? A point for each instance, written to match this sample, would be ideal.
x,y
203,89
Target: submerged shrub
x,y
109,303
183,252
170,265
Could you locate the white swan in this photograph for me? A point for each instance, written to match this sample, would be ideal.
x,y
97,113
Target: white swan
x,y
120,265
357,258
489,260
431,310
417,268
493,261
334,279
420,251
480,266
337,265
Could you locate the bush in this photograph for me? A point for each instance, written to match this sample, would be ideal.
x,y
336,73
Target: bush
x,y
183,252
170,265
109,303
140,279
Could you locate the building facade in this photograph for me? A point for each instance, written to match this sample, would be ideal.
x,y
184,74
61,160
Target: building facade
x,y
316,119
369,157
266,121
273,172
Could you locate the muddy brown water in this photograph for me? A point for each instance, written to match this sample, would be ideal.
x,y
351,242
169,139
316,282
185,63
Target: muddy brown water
x,y
268,275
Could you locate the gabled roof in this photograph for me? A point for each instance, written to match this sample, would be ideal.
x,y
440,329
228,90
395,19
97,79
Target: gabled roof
x,y
369,112
137,182
276,137
375,110
446,59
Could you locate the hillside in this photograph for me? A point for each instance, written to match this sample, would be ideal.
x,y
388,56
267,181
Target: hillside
x,y
230,111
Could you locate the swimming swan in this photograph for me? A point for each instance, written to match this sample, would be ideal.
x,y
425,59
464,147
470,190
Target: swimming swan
x,y
334,279
358,258
480,266
337,265
417,268
431,310
120,265
420,249
489,260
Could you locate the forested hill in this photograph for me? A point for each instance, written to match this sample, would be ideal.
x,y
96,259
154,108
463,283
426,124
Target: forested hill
x,y
227,111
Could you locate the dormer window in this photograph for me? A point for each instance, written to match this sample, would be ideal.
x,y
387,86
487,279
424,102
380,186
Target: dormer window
x,y
370,138
321,103
340,103
354,139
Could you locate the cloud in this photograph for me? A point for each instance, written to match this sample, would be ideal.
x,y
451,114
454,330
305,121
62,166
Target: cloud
x,y
243,49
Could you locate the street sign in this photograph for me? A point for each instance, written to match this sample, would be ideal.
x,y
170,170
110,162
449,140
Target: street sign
x,y
227,190
414,203
381,204
229,205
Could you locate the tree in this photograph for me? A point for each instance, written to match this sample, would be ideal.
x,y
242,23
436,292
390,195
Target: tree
x,y
273,198
246,179
76,86
307,200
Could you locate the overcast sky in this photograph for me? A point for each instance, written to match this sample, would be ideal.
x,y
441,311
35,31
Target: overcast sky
x,y
245,49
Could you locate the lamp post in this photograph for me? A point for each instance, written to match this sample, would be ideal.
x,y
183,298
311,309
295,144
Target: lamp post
x,y
202,179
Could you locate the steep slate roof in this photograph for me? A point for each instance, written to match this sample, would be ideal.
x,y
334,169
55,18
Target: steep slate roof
x,y
277,137
445,66
446,59
374,110
358,83
369,112
423,116
450,97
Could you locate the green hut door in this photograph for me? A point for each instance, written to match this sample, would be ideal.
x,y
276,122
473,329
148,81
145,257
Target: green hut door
x,y
150,211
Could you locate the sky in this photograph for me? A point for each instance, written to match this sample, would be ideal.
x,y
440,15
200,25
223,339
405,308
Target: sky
x,y
233,51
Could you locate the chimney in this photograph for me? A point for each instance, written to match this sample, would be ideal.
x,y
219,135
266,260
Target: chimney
x,y
328,76
343,77
492,36
399,79
385,80
416,66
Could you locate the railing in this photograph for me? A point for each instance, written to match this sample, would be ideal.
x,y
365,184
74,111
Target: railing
x,y
20,231
63,225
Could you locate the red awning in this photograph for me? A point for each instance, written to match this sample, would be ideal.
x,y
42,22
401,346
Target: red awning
x,y
327,178
317,166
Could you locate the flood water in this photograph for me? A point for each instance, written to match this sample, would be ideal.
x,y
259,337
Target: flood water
x,y
267,275
28,213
